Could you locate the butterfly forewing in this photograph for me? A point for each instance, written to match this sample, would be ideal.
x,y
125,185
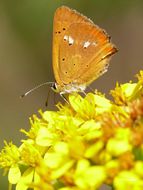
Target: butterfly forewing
x,y
63,18
81,50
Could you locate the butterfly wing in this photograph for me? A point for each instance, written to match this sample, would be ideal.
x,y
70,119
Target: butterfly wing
x,y
81,51
63,18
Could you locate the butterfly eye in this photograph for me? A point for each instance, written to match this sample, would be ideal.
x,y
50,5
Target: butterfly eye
x,y
54,87
64,29
63,59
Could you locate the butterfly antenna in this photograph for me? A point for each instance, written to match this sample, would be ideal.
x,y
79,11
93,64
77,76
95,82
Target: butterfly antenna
x,y
35,88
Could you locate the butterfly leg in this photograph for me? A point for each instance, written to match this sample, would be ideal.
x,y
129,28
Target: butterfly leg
x,y
83,92
47,99
91,89
65,99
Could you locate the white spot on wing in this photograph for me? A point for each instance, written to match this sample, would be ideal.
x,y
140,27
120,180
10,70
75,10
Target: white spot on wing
x,y
71,40
86,44
66,37
94,43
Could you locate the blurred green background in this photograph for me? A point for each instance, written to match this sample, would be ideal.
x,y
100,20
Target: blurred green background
x,y
25,53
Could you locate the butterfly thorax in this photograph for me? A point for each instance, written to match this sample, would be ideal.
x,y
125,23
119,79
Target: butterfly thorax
x,y
68,88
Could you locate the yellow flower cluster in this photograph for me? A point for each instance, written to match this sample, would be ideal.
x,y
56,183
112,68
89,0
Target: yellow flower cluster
x,y
87,143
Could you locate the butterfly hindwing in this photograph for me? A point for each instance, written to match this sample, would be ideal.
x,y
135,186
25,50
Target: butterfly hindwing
x,y
81,51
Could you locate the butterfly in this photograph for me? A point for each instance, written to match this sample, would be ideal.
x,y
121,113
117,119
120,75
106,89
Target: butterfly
x,y
81,51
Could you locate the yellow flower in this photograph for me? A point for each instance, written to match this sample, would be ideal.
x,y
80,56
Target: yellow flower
x,y
138,168
58,160
128,180
31,154
87,143
88,176
9,155
120,143
125,92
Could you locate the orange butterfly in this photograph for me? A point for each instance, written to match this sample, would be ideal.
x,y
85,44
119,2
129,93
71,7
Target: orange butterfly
x,y
81,51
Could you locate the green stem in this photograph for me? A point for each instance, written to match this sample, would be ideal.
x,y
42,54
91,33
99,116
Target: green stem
x,y
10,186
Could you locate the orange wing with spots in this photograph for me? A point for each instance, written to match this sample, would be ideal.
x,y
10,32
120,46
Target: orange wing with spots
x,y
81,50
